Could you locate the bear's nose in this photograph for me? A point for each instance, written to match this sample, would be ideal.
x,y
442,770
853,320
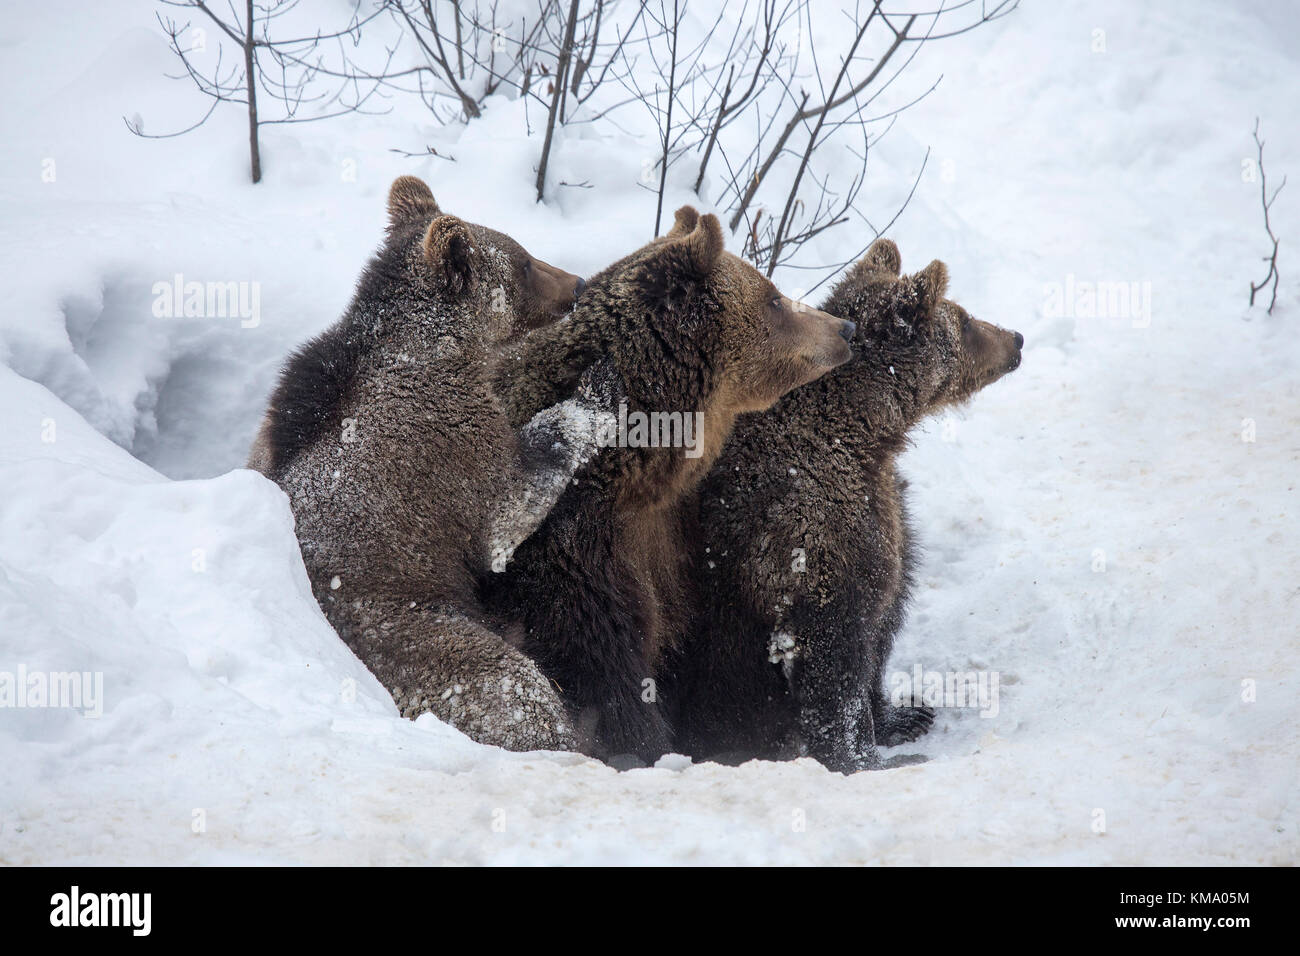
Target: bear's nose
x,y
1020,339
579,286
847,329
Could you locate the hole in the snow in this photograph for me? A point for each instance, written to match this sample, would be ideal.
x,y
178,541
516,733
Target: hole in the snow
x,y
203,420
184,395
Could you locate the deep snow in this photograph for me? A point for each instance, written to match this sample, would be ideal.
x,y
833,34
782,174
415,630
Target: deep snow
x,y
1097,529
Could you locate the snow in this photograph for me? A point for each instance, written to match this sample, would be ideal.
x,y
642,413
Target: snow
x,y
1110,530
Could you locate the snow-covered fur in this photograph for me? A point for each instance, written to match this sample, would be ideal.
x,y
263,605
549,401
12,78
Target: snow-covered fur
x,y
605,586
409,486
807,556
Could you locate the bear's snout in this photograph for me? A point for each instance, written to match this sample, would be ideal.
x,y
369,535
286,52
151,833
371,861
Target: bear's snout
x,y
832,337
1013,363
553,290
995,351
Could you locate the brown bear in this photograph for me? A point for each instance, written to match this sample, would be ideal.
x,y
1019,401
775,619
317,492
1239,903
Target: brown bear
x,y
808,555
604,587
408,485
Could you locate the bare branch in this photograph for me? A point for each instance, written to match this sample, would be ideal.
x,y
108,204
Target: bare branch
x,y
1267,201
561,72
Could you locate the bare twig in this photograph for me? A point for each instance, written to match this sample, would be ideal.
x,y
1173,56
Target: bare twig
x,y
285,70
877,233
731,105
557,94
428,151
1267,202
831,102
254,147
668,121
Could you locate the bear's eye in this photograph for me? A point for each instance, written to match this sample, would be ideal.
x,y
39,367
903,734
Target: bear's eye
x,y
528,266
965,323
776,301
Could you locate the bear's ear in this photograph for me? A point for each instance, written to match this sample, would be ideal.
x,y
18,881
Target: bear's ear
x,y
882,257
449,251
684,220
931,284
675,265
704,244
409,198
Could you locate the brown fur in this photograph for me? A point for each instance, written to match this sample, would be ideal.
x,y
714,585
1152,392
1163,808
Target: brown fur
x,y
604,587
405,476
789,659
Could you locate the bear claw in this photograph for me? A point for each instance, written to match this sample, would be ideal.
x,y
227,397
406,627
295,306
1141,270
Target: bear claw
x,y
900,725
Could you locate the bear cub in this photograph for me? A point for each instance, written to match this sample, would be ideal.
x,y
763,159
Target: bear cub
x,y
408,485
605,586
807,553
